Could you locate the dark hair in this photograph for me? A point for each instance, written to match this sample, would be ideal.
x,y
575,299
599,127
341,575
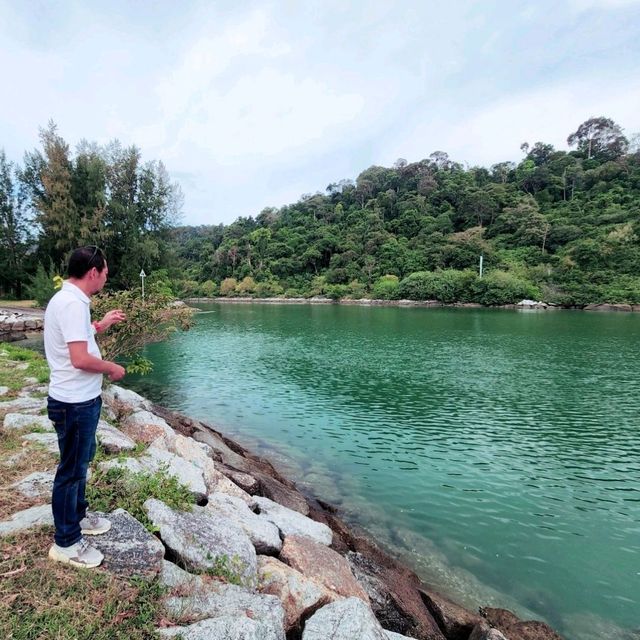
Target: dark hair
x,y
84,259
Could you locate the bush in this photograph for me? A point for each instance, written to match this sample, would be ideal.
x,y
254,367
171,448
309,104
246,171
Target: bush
x,y
209,289
336,291
186,288
421,285
502,287
247,286
357,290
269,289
42,287
228,287
386,288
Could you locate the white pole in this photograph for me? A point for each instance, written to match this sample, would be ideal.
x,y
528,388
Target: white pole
x,y
481,261
143,275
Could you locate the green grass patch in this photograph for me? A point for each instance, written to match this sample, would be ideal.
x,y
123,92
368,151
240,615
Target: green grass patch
x,y
42,599
227,569
119,488
14,378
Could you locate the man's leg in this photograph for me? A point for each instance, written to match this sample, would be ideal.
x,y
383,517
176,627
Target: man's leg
x,y
76,427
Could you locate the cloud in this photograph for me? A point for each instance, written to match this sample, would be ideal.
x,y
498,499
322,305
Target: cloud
x,y
548,114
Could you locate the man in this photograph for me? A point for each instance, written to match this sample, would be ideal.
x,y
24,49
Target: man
x,y
74,401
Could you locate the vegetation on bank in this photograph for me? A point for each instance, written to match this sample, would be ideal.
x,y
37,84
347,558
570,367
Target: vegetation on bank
x,y
559,226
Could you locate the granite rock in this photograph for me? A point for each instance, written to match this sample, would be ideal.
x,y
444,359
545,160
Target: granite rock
x,y
345,619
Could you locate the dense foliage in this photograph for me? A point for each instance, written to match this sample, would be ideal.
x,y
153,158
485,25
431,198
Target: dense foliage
x,y
559,226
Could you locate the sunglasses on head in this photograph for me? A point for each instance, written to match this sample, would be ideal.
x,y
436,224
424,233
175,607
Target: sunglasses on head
x,y
95,252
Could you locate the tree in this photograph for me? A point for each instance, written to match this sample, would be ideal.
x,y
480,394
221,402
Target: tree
x,y
14,230
599,138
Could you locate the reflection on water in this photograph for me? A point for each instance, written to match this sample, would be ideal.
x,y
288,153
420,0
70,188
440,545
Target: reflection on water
x,y
506,443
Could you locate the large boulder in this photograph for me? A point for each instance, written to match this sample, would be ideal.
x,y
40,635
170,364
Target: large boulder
x,y
201,540
27,519
128,548
280,493
264,534
113,440
144,426
23,421
455,621
216,599
36,485
482,631
515,629
222,451
292,522
345,619
23,405
49,441
224,628
178,579
323,564
123,400
299,595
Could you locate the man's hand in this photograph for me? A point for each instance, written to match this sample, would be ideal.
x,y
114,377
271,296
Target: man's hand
x,y
116,372
112,317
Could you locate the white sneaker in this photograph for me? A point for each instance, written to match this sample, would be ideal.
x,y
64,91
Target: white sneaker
x,y
94,526
80,554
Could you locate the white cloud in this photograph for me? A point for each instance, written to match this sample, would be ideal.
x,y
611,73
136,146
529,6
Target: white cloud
x,y
494,132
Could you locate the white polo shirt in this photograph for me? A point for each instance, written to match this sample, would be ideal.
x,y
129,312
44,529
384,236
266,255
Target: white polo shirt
x,y
67,319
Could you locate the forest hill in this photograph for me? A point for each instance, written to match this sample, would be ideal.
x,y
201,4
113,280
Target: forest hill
x,y
558,226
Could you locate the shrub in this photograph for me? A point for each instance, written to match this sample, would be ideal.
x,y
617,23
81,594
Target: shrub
x,y
228,287
246,286
149,320
421,285
336,291
502,287
209,289
357,290
268,289
386,288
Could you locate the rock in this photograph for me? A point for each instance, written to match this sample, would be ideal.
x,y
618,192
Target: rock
x,y
227,455
323,564
174,577
112,439
30,380
27,519
23,405
278,492
216,600
201,540
48,440
155,459
225,628
144,426
123,400
264,535
299,595
392,635
482,631
22,421
245,481
4,391
36,484
608,307
396,601
455,621
292,522
129,549
515,629
345,619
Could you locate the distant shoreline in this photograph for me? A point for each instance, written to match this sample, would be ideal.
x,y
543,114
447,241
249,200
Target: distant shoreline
x,y
370,302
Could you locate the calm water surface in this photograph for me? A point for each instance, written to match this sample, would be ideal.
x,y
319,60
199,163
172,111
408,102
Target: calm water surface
x,y
497,451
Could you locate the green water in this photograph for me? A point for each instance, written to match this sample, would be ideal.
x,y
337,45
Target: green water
x,y
498,452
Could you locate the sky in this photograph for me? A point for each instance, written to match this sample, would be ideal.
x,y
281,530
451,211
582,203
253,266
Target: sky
x,y
252,104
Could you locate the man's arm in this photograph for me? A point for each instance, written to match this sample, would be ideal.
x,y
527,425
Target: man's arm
x,y
110,318
82,359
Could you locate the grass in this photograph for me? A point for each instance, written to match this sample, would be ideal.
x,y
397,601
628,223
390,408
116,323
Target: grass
x,y
44,600
227,569
21,304
37,459
109,490
15,378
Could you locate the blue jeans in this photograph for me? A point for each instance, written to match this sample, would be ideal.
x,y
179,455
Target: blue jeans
x,y
76,425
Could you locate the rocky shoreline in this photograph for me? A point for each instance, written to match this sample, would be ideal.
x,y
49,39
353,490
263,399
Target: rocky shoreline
x,y
370,302
302,572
